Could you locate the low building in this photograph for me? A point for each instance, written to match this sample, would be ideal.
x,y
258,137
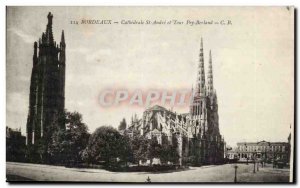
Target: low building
x,y
15,145
263,150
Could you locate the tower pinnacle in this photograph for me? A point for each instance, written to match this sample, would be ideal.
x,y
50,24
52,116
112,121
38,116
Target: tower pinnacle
x,y
62,37
35,53
50,16
35,49
62,55
49,34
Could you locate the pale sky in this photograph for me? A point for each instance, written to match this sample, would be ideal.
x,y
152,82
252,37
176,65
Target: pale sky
x,y
253,62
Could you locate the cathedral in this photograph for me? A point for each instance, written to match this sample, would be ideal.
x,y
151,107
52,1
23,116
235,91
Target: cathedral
x,y
47,86
197,132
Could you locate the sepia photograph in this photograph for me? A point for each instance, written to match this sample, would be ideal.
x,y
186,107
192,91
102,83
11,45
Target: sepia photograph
x,y
158,94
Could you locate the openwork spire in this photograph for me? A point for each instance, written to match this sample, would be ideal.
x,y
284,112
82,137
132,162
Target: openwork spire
x,y
210,80
201,74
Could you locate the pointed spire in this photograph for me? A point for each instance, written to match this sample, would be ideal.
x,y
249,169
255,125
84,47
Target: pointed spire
x,y
210,81
62,37
43,37
35,53
49,33
62,54
35,49
200,87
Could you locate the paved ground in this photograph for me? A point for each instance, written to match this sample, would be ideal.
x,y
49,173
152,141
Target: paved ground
x,y
220,173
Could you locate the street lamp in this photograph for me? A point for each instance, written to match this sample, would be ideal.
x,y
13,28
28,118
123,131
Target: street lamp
x,y
235,171
254,156
265,158
274,156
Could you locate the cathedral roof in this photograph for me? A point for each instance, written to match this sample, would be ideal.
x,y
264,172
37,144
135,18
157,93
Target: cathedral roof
x,y
157,108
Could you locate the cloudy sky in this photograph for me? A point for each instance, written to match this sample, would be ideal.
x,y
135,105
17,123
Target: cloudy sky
x,y
252,62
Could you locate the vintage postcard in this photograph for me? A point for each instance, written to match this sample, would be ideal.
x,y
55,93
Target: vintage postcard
x,y
150,94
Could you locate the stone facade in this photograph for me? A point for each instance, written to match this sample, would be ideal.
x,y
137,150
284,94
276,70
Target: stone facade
x,y
263,150
197,132
47,86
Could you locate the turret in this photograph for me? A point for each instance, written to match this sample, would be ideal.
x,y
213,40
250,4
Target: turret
x,y
62,41
43,38
62,55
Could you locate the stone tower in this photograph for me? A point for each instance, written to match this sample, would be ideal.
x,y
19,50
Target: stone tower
x,y
204,113
47,86
198,110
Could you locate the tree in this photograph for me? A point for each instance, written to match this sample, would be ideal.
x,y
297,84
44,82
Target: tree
x,y
173,153
15,145
35,153
142,151
169,152
122,125
154,150
68,144
125,149
77,135
138,147
59,147
165,153
105,145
